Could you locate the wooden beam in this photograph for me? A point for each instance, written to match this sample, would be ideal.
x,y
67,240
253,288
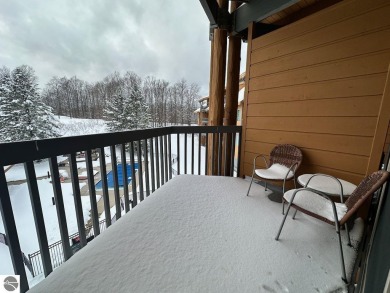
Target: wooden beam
x,y
217,90
257,10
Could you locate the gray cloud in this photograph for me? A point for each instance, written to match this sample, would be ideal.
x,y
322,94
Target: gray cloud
x,y
93,38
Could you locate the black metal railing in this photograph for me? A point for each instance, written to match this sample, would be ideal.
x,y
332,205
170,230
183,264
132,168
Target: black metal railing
x,y
154,146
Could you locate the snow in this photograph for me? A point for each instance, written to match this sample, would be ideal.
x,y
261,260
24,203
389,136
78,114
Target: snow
x,y
327,184
77,126
16,172
316,204
25,221
275,172
189,154
203,234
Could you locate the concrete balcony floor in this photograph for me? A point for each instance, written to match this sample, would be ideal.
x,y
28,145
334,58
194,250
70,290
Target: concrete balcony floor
x,y
203,234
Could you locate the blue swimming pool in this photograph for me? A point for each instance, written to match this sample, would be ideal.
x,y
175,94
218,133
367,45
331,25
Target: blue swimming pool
x,y
110,177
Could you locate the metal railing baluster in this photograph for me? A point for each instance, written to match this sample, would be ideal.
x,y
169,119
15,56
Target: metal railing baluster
x,y
213,154
140,172
170,156
147,181
157,163
60,207
125,178
178,154
192,153
114,165
162,160
199,151
233,149
38,216
152,172
103,178
92,193
11,232
239,153
219,155
185,153
133,179
225,161
77,199
207,154
166,158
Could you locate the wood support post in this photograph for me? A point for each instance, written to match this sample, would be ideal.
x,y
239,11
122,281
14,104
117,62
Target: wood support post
x,y
217,90
232,88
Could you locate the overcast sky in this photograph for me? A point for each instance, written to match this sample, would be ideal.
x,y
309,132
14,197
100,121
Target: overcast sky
x,y
93,38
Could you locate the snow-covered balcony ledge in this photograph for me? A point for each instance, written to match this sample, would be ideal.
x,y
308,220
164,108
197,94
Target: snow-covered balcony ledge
x,y
203,234
157,154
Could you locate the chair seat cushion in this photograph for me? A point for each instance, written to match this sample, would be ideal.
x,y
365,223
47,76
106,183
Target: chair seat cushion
x,y
327,184
275,172
316,204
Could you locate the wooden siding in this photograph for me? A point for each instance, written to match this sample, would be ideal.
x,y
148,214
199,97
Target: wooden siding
x,y
319,84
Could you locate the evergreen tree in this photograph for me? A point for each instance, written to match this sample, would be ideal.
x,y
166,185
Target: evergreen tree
x,y
127,109
23,114
114,113
137,114
5,90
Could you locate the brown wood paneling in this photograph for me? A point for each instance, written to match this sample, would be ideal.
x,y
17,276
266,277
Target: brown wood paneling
x,y
338,13
319,83
366,85
329,160
345,48
357,126
355,66
374,20
355,145
355,106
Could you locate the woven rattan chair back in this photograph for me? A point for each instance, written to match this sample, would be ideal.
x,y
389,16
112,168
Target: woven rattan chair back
x,y
287,155
365,189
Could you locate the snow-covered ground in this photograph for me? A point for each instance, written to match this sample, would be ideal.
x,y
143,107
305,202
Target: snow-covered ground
x,y
21,201
77,126
16,172
203,234
25,221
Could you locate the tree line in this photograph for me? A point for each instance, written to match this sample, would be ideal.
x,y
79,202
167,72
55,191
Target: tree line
x,y
166,103
125,101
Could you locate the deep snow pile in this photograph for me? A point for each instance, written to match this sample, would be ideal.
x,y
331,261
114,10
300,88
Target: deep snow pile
x,y
203,234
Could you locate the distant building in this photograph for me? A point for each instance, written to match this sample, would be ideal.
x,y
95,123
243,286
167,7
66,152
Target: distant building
x,y
203,110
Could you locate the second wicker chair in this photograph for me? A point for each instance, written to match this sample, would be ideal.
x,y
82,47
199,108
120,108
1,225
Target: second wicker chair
x,y
284,161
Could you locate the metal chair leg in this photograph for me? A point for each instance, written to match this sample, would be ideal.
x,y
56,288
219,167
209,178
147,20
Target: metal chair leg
x,y
348,237
344,276
284,220
295,213
253,174
265,185
283,201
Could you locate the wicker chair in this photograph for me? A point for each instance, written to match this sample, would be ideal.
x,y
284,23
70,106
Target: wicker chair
x,y
284,161
319,205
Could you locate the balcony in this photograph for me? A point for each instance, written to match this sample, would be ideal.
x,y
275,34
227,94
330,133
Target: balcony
x,y
160,153
172,230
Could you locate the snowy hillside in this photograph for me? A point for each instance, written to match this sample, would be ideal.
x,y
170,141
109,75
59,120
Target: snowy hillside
x,y
77,126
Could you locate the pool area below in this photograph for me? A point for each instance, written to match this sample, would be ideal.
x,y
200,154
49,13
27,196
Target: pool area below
x,y
110,177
